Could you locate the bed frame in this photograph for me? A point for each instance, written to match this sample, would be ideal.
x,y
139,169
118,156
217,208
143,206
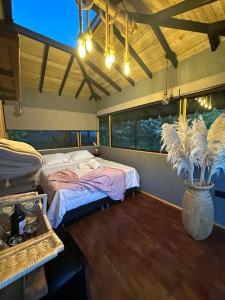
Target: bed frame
x,y
84,210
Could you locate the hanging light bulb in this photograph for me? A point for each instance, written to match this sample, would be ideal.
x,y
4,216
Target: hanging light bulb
x,y
109,57
165,99
81,46
88,34
210,103
81,40
19,109
88,41
126,68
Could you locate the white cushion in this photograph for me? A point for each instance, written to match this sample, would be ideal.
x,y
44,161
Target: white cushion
x,y
56,158
80,155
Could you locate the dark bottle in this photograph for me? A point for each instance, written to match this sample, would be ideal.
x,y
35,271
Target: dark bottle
x,y
17,221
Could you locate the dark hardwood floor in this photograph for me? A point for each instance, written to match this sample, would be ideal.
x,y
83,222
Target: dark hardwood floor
x,y
138,250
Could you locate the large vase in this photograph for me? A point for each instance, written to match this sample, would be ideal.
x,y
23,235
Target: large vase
x,y
198,211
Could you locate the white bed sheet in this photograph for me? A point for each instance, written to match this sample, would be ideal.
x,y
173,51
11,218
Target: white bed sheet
x,y
65,200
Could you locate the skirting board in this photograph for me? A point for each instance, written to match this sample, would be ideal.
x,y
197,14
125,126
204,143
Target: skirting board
x,y
172,205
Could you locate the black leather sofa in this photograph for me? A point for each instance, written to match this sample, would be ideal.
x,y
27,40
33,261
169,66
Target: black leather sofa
x,y
67,274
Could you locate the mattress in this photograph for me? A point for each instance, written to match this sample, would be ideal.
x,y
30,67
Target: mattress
x,y
65,200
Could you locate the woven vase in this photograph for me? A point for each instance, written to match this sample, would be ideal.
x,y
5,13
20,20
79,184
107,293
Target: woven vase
x,y
198,211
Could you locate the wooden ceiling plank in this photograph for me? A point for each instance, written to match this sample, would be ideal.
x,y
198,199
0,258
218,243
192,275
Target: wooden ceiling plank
x,y
80,88
100,87
133,53
69,66
43,68
103,75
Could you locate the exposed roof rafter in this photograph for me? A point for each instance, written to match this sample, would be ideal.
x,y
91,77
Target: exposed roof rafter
x,y
43,68
162,15
80,88
93,94
69,66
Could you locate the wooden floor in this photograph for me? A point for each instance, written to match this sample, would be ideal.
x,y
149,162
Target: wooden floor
x,y
138,250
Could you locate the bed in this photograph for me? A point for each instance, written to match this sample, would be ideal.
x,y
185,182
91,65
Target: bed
x,y
65,201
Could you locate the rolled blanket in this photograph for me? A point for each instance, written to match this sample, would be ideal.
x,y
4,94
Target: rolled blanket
x,y
18,159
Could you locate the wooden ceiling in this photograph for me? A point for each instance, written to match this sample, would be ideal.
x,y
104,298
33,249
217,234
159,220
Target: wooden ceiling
x,y
9,55
50,66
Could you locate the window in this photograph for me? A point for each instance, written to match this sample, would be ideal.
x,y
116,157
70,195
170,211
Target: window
x,y
47,139
104,130
88,138
140,128
123,129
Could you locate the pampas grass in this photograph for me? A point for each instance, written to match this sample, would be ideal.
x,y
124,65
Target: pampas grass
x,y
190,145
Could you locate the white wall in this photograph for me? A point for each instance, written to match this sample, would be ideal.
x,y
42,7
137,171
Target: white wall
x,y
49,119
48,111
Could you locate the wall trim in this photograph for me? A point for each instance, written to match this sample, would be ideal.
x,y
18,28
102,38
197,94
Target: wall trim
x,y
187,88
172,205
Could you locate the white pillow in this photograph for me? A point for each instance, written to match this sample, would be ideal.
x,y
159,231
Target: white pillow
x,y
56,158
80,155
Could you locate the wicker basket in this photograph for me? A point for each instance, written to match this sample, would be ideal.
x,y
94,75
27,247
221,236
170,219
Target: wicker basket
x,y
23,258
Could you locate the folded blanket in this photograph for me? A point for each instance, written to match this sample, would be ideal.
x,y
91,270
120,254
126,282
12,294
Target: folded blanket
x,y
108,180
18,159
94,164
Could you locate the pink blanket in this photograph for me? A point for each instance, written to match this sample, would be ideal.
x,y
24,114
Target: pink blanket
x,y
108,180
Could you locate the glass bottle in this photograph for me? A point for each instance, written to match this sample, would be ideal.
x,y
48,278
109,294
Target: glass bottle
x,y
17,221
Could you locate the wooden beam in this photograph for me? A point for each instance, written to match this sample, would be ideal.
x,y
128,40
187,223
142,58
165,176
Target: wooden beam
x,y
93,94
115,65
186,25
141,6
103,75
133,53
214,41
70,63
43,68
80,88
6,73
100,87
7,8
6,90
218,28
169,53
169,12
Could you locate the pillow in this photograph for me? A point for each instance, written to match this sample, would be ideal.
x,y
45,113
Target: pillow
x,y
80,155
56,158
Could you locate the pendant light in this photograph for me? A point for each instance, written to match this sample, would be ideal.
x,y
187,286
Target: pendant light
x,y
88,34
165,99
126,66
81,40
109,45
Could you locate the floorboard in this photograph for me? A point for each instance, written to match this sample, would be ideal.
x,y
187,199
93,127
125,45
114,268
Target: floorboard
x,y
138,250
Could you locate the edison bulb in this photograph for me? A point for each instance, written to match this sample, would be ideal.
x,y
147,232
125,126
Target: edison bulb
x,y
81,47
109,58
126,68
88,41
165,99
108,61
